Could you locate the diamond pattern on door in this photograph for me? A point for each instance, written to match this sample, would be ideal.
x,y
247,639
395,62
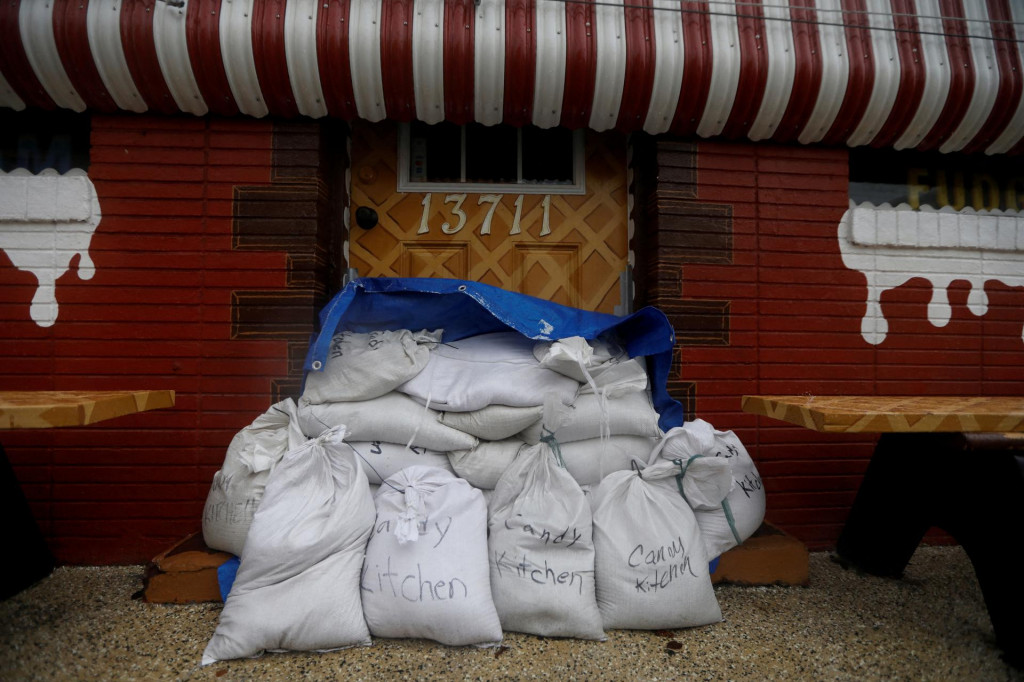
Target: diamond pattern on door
x,y
576,260
548,272
436,259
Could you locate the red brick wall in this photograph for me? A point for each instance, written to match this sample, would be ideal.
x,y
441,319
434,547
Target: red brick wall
x,y
216,248
738,244
192,273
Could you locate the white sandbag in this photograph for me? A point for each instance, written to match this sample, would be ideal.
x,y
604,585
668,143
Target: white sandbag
x,y
366,366
297,586
381,460
488,369
652,568
741,513
426,573
494,422
238,487
391,418
542,550
599,365
627,376
483,465
587,461
631,414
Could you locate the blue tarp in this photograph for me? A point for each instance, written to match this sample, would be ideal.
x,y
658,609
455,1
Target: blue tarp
x,y
463,308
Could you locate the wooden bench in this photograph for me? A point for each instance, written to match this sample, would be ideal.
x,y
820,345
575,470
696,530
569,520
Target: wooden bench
x,y
956,463
47,410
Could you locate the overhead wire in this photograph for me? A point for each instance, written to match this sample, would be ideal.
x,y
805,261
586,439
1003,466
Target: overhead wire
x,y
815,22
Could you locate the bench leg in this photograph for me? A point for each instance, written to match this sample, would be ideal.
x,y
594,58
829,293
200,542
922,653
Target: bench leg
x,y
892,510
987,518
30,559
916,481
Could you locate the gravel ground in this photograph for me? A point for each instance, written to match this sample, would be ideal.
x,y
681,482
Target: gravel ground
x,y
82,624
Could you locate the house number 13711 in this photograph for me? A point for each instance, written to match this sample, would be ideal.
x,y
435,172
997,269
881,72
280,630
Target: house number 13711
x,y
459,215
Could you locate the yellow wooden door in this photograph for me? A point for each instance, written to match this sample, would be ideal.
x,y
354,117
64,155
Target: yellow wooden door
x,y
569,249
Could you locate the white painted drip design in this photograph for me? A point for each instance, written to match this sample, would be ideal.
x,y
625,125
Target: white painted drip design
x,y
890,246
45,220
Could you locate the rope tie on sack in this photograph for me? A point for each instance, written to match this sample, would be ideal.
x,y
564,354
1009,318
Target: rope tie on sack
x,y
426,409
682,472
332,436
732,522
730,519
548,438
605,431
412,521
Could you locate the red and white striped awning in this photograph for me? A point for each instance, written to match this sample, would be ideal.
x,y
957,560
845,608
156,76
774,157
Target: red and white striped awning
x,y
925,74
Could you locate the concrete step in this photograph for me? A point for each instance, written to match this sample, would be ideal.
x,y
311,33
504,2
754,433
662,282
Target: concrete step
x,y
186,572
768,557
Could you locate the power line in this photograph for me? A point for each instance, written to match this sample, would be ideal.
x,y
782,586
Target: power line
x,y
839,24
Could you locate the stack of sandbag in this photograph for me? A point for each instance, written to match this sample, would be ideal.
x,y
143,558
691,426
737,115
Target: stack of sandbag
x,y
237,488
597,519
726,524
357,388
611,423
425,573
297,586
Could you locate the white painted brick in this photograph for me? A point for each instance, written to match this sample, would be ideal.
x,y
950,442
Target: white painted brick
x,y
12,197
927,231
906,228
865,229
1008,266
1007,227
885,226
40,197
949,227
925,264
968,232
73,202
988,232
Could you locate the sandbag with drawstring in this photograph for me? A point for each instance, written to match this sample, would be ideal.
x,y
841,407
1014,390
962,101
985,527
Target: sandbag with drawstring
x,y
425,573
652,567
237,488
297,586
542,550
729,523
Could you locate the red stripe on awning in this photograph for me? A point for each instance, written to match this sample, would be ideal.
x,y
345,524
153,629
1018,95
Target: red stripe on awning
x,y
269,52
580,65
961,82
754,75
72,39
1010,79
640,62
458,61
693,95
862,72
520,61
807,72
333,58
15,64
202,31
908,44
396,19
140,54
